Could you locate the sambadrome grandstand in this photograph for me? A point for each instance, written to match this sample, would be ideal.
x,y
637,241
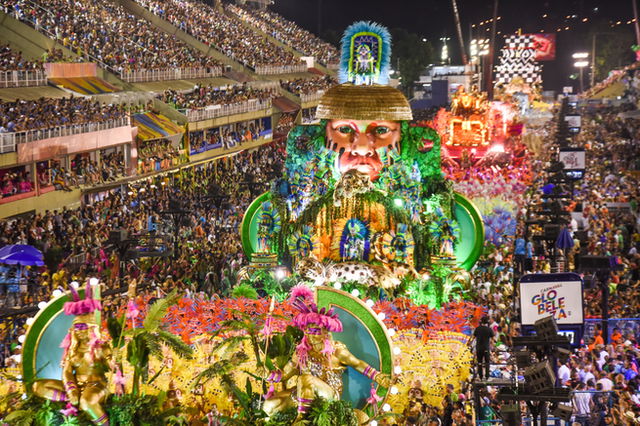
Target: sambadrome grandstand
x,y
99,94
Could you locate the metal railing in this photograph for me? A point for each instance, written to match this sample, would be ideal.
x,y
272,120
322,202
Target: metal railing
x,y
279,69
310,97
22,78
9,141
333,66
170,74
215,111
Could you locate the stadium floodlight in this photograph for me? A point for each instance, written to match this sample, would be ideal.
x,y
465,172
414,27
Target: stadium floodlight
x,y
581,64
580,55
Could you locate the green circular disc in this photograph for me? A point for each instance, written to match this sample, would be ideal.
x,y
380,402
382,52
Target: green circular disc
x,y
469,247
250,222
366,338
41,351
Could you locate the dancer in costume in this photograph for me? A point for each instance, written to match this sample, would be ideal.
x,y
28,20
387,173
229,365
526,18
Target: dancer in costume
x,y
84,363
318,362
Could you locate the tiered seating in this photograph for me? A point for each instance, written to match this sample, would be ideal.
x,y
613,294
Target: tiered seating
x,y
106,32
46,113
228,34
288,32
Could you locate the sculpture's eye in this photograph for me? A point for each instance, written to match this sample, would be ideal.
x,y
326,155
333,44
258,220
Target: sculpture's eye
x,y
345,130
381,130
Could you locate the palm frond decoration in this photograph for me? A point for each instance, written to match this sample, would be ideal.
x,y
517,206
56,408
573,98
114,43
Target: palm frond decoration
x,y
158,310
244,290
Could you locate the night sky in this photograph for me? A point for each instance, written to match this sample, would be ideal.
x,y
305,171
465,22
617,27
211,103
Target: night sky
x,y
433,19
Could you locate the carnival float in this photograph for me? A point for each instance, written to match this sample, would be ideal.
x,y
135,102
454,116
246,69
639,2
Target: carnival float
x,y
352,308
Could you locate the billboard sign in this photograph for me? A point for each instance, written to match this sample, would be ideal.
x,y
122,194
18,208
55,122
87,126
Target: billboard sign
x,y
559,295
573,158
545,46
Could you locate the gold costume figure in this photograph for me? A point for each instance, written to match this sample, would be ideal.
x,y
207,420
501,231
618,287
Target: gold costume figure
x,y
84,363
317,366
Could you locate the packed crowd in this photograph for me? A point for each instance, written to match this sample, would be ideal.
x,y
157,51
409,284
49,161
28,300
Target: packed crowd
x,y
204,96
119,39
15,181
84,171
44,113
209,252
226,136
308,85
212,26
11,60
157,155
603,217
604,377
288,32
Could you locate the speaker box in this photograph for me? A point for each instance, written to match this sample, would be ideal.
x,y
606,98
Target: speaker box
x,y
539,377
546,328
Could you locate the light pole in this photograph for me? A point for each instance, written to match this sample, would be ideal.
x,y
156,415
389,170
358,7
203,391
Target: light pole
x,y
444,55
580,63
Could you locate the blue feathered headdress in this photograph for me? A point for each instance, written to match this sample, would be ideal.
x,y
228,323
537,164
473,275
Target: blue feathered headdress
x,y
366,53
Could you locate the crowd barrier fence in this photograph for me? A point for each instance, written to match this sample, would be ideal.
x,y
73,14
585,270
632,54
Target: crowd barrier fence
x,y
279,69
138,76
215,111
9,141
22,78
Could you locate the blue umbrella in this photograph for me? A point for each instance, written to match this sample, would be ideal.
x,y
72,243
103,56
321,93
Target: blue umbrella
x,y
21,254
564,240
12,248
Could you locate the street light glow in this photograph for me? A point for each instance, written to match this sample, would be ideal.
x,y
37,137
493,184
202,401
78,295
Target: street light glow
x,y
581,64
580,55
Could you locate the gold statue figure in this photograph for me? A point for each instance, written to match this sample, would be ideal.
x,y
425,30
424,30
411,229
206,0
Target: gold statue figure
x,y
84,363
317,365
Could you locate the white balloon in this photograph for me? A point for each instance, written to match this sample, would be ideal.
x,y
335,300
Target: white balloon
x,y
386,407
56,293
42,305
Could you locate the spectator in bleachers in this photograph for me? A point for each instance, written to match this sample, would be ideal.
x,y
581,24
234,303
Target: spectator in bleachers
x,y
288,32
226,33
107,32
45,113
204,96
308,85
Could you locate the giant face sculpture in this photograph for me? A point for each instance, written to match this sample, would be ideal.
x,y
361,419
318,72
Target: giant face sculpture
x,y
358,142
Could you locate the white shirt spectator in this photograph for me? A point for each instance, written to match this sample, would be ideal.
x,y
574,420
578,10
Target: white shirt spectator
x,y
564,374
606,383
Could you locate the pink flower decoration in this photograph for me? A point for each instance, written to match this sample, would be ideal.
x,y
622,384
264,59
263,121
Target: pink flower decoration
x,y
132,310
70,410
119,381
270,392
302,351
328,349
373,397
267,330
